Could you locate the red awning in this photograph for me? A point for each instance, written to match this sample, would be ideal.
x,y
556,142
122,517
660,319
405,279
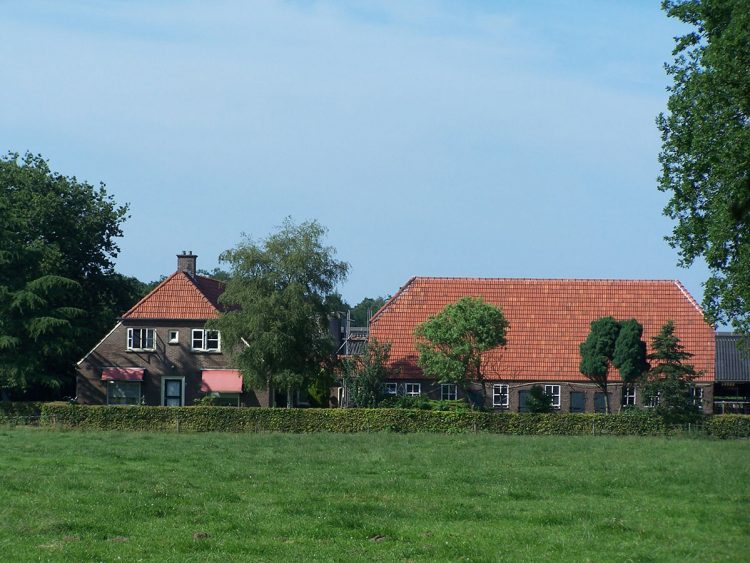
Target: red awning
x,y
221,381
123,374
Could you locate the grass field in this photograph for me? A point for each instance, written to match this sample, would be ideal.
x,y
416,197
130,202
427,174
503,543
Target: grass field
x,y
194,497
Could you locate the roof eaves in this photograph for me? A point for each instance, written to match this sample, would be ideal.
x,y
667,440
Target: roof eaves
x,y
78,363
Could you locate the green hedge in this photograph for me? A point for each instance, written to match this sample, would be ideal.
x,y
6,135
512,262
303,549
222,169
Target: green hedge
x,y
19,412
229,419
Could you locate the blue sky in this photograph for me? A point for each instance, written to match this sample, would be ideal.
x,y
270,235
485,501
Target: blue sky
x,y
497,139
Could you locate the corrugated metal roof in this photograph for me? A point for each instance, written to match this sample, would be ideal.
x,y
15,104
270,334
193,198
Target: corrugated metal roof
x,y
548,320
732,362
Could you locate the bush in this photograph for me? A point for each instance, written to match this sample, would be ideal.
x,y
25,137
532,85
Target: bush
x,y
229,419
19,412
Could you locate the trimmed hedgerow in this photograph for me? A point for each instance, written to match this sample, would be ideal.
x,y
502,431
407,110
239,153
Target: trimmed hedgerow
x,y
229,419
728,426
19,412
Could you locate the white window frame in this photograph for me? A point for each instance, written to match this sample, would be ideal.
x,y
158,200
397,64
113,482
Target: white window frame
x,y
181,378
390,389
553,391
696,393
448,391
204,340
174,336
501,395
131,339
629,397
412,389
111,384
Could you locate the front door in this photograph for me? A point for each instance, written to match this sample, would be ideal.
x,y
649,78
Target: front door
x,y
172,392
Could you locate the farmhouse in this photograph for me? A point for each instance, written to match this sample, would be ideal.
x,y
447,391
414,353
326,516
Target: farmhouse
x,y
548,320
160,353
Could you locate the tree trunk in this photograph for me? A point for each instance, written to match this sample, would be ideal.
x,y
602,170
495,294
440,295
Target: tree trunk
x,y
606,398
289,397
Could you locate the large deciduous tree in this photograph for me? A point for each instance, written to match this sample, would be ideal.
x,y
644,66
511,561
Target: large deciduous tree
x,y
613,342
276,320
451,343
705,154
58,291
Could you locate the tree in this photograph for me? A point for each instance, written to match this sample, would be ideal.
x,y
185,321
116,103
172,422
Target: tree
x,y
597,352
452,342
705,154
538,401
363,310
629,355
669,380
58,290
613,342
275,322
364,376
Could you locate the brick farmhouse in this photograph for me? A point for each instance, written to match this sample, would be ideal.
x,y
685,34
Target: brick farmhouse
x,y
548,320
160,353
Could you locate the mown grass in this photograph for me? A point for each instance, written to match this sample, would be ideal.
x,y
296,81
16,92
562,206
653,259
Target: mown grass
x,y
193,497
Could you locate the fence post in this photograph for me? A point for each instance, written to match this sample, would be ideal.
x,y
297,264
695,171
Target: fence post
x,y
177,418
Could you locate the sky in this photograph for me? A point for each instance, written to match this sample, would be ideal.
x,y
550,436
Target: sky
x,y
432,138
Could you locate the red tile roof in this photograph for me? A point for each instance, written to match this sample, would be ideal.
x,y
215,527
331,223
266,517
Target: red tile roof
x,y
548,320
180,296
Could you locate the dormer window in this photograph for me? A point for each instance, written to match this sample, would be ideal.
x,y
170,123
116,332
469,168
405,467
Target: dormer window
x,y
206,340
141,339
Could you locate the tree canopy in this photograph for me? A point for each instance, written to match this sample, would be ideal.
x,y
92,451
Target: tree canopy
x,y
613,342
705,154
276,319
451,343
58,290
364,376
669,380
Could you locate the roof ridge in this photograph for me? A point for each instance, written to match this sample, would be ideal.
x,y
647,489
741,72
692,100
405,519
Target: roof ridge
x,y
485,278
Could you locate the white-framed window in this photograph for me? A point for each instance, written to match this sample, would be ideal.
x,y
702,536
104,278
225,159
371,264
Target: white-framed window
x,y
628,395
500,396
123,392
448,392
174,336
390,389
413,389
205,340
554,392
696,393
141,339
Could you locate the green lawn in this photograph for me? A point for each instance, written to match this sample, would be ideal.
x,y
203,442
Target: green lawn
x,y
193,497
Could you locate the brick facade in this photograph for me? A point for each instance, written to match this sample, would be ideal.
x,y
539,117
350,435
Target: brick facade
x,y
166,361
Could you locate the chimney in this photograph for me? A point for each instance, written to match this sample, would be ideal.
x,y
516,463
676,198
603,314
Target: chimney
x,y
186,263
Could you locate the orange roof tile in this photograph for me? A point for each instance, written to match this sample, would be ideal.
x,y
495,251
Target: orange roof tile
x,y
180,296
548,320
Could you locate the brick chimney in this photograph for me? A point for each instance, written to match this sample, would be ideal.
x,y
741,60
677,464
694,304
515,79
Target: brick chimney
x,y
186,263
